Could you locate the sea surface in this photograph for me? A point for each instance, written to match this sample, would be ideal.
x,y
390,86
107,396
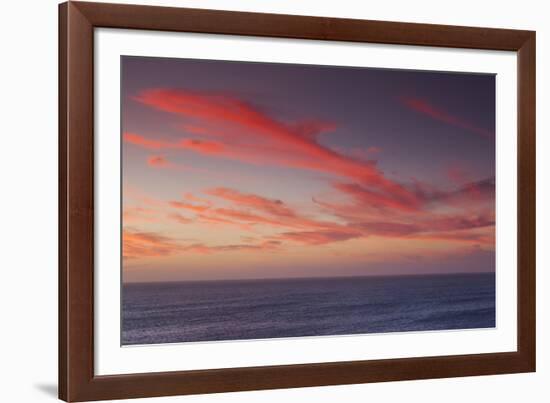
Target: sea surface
x,y
258,309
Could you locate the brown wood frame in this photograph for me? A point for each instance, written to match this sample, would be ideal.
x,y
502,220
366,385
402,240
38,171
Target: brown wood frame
x,y
77,381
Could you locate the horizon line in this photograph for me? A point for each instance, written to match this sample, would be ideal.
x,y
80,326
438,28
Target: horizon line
x,y
306,278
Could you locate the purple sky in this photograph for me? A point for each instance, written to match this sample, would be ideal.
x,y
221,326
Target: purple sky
x,y
245,170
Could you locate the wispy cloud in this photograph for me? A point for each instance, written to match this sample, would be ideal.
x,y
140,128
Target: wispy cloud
x,y
362,202
320,237
158,161
249,210
426,108
271,206
137,244
246,133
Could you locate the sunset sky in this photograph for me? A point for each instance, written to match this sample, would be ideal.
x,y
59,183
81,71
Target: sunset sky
x,y
250,170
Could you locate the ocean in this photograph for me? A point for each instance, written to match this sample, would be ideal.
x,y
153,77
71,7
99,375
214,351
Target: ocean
x,y
259,309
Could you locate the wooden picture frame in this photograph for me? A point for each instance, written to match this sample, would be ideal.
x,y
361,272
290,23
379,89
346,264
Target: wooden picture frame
x,y
77,381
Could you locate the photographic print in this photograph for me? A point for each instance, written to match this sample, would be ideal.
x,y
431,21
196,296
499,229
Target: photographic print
x,y
265,200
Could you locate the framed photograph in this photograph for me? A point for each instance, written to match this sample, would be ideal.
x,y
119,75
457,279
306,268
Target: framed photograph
x,y
257,201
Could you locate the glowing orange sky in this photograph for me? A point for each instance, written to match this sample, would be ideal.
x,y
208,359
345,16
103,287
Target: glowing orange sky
x,y
250,173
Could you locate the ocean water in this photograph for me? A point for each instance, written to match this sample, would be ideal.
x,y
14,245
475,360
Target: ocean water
x,y
259,309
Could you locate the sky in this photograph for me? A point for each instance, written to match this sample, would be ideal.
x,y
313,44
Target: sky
x,y
234,170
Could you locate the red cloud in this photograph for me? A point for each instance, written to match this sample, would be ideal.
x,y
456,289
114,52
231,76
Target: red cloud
x,y
250,209
432,224
180,219
270,206
480,190
141,141
470,195
218,220
191,197
447,216
426,108
188,206
374,199
247,210
203,147
138,244
389,229
157,161
249,134
376,205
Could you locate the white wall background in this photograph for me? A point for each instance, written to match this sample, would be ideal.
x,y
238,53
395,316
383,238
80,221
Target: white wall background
x,y
28,199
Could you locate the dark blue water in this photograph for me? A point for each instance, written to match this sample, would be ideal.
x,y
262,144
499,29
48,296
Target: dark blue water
x,y
257,309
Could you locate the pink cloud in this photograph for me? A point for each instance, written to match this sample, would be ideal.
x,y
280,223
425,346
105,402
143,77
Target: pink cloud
x,y
320,237
161,162
180,219
368,202
471,195
138,244
457,174
444,216
203,147
424,107
141,141
250,135
247,210
251,209
270,206
374,150
157,161
188,206
376,199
